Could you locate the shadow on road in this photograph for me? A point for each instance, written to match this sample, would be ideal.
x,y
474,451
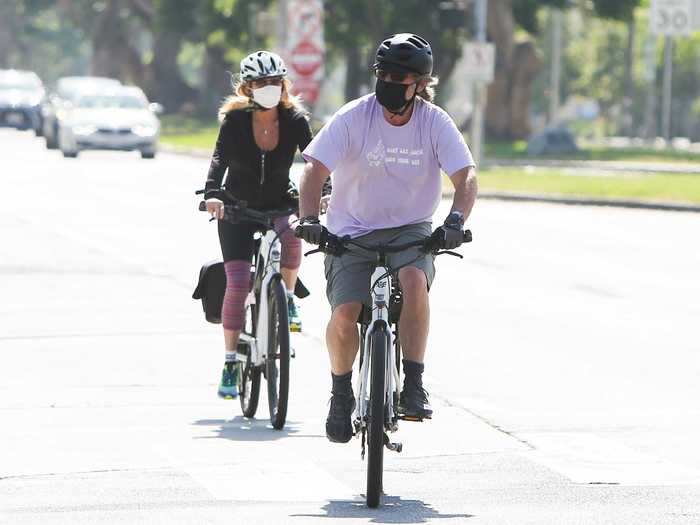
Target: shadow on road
x,y
393,510
243,429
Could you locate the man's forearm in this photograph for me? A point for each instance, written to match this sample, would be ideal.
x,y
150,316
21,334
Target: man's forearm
x,y
311,185
466,189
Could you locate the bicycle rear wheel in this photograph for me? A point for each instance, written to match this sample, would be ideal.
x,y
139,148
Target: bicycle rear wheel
x,y
375,427
278,355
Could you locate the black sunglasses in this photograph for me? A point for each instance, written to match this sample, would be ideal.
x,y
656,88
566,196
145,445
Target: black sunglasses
x,y
391,76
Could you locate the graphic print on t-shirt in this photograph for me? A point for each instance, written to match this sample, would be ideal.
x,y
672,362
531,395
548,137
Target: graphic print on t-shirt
x,y
376,156
396,155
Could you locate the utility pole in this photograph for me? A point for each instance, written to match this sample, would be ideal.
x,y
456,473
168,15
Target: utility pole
x,y
282,27
477,131
650,78
668,88
555,78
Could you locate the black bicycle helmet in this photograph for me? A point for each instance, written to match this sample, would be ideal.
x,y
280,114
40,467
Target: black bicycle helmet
x,y
406,52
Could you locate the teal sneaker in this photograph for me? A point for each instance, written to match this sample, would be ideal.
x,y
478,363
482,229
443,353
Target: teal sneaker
x,y
228,387
293,313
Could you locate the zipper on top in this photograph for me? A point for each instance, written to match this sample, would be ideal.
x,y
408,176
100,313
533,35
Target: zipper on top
x,y
262,167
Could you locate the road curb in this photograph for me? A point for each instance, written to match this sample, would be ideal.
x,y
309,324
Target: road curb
x,y
586,201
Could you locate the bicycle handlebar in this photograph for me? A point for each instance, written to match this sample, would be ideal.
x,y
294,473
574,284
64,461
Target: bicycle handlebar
x,y
238,211
334,245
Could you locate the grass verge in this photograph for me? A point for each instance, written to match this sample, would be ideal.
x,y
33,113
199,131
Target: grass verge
x,y
189,132
518,150
682,188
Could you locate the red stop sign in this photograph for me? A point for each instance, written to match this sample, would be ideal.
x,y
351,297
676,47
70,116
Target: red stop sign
x,y
306,58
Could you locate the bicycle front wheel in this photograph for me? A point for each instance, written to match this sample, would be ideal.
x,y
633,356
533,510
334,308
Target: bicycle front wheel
x,y
249,376
278,355
375,427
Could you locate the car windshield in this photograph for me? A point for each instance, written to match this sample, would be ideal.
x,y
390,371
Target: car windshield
x,y
22,84
111,101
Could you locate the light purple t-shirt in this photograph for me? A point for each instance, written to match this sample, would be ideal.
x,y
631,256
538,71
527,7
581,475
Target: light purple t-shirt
x,y
386,176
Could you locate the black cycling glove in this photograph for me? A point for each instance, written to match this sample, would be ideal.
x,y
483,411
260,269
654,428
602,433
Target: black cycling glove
x,y
450,235
310,229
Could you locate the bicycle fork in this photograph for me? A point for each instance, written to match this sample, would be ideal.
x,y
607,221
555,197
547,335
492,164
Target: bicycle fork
x,y
380,318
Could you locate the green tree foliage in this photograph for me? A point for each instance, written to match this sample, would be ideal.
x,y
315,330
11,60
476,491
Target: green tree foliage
x,y
358,26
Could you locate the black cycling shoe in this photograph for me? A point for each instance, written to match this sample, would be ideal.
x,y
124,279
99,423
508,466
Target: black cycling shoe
x,y
339,421
413,400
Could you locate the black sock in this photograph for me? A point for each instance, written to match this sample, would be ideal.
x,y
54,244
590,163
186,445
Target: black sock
x,y
413,371
342,384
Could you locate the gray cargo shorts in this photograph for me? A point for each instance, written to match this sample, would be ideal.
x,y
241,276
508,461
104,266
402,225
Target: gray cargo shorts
x,y
348,276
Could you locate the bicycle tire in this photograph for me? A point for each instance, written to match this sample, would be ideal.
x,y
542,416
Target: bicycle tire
x,y
249,379
278,354
249,388
375,427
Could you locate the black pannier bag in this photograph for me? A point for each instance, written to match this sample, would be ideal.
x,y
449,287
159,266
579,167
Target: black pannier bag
x,y
210,289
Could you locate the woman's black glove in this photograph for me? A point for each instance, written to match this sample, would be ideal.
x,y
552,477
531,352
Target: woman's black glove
x,y
450,235
310,229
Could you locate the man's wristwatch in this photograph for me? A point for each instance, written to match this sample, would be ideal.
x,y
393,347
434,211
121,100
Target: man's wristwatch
x,y
455,220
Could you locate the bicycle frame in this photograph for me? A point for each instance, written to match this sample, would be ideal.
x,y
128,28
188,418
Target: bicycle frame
x,y
271,246
380,294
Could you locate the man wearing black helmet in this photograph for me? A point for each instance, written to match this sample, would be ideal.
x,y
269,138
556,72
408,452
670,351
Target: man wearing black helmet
x,y
385,152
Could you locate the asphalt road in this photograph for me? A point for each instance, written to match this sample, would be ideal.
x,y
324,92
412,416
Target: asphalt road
x,y
563,364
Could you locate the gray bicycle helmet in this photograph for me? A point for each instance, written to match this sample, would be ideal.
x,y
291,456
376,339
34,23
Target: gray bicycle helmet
x,y
405,52
262,64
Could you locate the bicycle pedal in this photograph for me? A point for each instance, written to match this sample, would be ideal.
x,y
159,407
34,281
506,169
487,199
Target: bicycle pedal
x,y
415,419
394,447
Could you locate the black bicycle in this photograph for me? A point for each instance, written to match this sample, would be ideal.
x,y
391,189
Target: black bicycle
x,y
377,397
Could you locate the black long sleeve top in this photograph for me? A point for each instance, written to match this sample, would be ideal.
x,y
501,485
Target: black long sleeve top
x,y
259,177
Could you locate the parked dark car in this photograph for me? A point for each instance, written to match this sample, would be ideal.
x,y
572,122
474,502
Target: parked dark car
x,y
21,93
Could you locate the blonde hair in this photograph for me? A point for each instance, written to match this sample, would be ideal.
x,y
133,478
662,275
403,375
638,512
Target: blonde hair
x,y
242,98
429,92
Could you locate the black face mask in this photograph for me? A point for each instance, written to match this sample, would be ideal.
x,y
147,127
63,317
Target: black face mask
x,y
393,96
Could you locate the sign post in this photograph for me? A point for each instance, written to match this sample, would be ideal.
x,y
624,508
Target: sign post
x,y
304,50
671,18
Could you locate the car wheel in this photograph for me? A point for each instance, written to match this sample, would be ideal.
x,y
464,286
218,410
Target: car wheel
x,y
70,154
148,154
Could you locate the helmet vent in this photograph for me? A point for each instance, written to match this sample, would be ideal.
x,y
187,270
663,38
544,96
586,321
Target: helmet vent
x,y
420,42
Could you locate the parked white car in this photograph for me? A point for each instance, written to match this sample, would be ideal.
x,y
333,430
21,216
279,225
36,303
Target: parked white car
x,y
116,119
67,90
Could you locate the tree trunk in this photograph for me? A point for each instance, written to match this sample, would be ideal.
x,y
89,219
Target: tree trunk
x,y
8,36
216,82
112,53
354,73
167,85
508,106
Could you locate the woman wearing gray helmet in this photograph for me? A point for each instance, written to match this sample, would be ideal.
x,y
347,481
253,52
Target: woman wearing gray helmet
x,y
262,127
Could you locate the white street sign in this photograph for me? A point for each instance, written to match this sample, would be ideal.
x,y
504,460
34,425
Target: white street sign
x,y
479,61
305,53
672,17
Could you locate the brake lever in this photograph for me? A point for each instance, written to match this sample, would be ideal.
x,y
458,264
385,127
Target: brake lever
x,y
317,250
448,252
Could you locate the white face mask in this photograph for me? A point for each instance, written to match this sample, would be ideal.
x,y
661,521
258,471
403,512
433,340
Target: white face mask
x,y
268,96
